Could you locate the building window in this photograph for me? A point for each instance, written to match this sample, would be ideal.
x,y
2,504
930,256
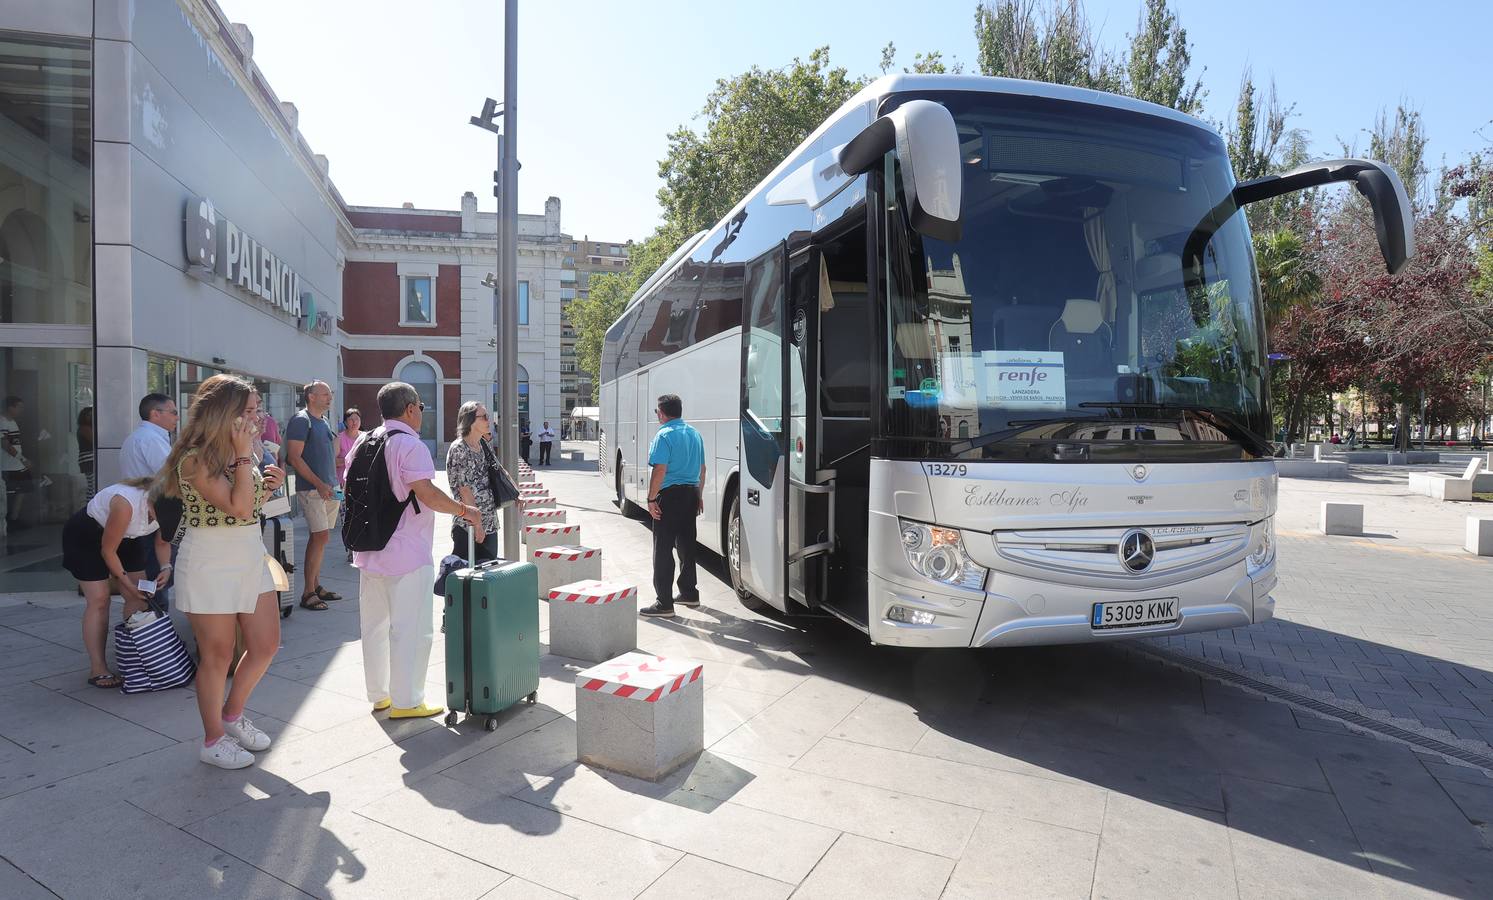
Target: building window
x,y
567,293
567,275
46,179
523,303
419,301
420,375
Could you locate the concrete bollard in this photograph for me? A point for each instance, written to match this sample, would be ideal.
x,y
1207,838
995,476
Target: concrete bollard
x,y
536,501
536,516
1317,453
639,714
550,534
525,477
563,564
525,490
593,620
1342,518
1479,536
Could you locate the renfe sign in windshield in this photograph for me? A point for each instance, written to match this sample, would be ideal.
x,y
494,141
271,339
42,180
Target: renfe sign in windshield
x,y
215,246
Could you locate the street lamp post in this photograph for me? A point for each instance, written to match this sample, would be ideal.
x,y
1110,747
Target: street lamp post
x,y
505,315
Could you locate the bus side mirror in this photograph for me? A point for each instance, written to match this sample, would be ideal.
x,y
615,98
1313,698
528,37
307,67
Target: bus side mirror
x,y
1394,219
927,144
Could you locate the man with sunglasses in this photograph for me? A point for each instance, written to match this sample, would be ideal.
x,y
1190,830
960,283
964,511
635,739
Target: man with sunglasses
x,y
677,456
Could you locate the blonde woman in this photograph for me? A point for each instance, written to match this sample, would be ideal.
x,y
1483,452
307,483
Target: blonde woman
x,y
222,578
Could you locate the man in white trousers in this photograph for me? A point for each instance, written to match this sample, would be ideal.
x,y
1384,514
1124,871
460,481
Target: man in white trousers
x,y
395,602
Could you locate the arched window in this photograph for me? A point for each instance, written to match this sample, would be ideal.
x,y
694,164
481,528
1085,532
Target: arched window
x,y
420,375
523,397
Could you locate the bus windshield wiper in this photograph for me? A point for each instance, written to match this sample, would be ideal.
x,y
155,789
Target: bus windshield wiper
x,y
1224,422
995,437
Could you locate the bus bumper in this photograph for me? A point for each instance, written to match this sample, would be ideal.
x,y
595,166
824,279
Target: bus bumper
x,y
1016,611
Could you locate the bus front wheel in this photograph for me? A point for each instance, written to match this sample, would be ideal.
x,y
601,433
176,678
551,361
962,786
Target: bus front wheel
x,y
733,559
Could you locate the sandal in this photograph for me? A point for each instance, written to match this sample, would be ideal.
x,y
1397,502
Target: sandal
x,y
311,601
107,681
329,596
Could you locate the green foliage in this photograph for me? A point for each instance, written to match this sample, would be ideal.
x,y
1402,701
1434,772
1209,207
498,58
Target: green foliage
x,y
751,123
1260,144
1400,141
1159,59
1287,277
1043,40
930,63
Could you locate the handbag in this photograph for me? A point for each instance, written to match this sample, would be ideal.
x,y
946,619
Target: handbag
x,y
504,490
152,656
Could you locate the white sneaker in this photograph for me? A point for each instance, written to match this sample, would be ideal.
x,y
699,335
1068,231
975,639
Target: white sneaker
x,y
248,736
226,754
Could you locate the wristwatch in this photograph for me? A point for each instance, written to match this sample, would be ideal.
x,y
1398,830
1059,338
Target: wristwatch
x,y
653,499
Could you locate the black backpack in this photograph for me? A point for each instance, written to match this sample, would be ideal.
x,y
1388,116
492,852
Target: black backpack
x,y
371,511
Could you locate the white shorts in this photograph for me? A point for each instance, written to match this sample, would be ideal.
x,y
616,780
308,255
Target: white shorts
x,y
321,515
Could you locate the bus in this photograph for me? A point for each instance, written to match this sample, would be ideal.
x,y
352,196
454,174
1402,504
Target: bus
x,y
981,363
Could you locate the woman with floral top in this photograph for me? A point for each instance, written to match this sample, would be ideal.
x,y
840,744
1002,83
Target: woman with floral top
x,y
468,460
223,581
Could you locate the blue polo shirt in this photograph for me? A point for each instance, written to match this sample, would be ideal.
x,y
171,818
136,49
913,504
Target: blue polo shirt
x,y
679,446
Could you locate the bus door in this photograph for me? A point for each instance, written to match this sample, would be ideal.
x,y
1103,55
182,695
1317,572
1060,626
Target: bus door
x,y
810,509
643,437
783,493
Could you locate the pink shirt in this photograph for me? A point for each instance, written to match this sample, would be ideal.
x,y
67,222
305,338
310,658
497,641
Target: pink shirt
x,y
413,542
345,443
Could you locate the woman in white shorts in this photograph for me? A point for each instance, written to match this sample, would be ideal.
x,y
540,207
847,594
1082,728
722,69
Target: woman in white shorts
x,y
223,578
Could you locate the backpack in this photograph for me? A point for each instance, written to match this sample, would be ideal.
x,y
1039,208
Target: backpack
x,y
372,512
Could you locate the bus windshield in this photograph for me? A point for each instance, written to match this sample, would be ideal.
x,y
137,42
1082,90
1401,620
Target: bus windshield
x,y
1064,320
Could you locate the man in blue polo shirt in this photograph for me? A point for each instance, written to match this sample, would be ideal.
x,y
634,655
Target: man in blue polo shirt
x,y
677,456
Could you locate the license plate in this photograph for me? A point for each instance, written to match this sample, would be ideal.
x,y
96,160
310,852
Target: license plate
x,y
1135,613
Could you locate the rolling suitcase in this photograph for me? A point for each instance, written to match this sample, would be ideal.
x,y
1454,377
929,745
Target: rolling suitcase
x,y
279,542
492,638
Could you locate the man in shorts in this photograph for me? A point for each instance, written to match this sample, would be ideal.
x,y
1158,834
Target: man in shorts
x,y
308,449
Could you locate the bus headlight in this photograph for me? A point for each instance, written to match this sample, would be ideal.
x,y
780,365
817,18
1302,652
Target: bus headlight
x,y
1264,551
938,555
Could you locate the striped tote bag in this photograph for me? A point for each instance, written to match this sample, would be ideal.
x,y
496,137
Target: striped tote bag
x,y
152,657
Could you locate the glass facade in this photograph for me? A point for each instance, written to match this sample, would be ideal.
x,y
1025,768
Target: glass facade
x,y
46,302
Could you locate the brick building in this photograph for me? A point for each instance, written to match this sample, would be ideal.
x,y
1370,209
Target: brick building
x,y
415,310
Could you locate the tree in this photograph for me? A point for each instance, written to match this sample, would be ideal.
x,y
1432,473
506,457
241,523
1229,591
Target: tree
x,y
1261,143
1043,40
751,122
1287,278
1159,59
930,63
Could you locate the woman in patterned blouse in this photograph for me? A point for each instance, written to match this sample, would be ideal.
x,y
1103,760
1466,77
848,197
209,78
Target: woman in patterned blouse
x,y
223,582
467,462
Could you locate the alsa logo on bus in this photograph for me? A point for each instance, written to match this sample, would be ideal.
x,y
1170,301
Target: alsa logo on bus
x,y
215,246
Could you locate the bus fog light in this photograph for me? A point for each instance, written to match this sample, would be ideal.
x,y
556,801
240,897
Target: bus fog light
x,y
1264,547
910,616
938,554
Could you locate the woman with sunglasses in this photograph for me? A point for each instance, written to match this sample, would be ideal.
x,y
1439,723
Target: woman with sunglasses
x,y
469,460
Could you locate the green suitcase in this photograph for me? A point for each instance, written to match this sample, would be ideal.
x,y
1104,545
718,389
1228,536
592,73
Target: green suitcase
x,y
492,639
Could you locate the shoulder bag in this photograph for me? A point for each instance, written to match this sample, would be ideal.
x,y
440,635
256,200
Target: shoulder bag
x,y
504,491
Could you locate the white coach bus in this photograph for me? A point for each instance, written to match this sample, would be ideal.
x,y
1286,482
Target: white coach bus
x,y
981,363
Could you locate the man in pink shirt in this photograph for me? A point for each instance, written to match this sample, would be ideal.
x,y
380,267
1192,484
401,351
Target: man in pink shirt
x,y
396,607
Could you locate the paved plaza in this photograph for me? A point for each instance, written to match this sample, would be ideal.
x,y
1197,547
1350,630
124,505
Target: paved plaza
x,y
832,768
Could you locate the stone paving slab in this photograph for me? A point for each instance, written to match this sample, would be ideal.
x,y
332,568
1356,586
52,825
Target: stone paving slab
x,y
833,769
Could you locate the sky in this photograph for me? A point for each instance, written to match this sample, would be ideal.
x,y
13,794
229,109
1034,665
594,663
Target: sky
x,y
385,88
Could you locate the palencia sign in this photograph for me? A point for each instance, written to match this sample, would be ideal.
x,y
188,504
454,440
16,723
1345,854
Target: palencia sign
x,y
217,247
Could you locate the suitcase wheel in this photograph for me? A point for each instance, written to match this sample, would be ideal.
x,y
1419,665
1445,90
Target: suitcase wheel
x,y
533,697
451,719
491,724
285,613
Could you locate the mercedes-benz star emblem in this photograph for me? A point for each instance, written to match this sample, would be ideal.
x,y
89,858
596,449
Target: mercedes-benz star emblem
x,y
1139,473
1137,551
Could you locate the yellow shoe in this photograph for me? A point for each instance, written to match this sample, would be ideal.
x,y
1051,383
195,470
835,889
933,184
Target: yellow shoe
x,y
382,705
419,712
